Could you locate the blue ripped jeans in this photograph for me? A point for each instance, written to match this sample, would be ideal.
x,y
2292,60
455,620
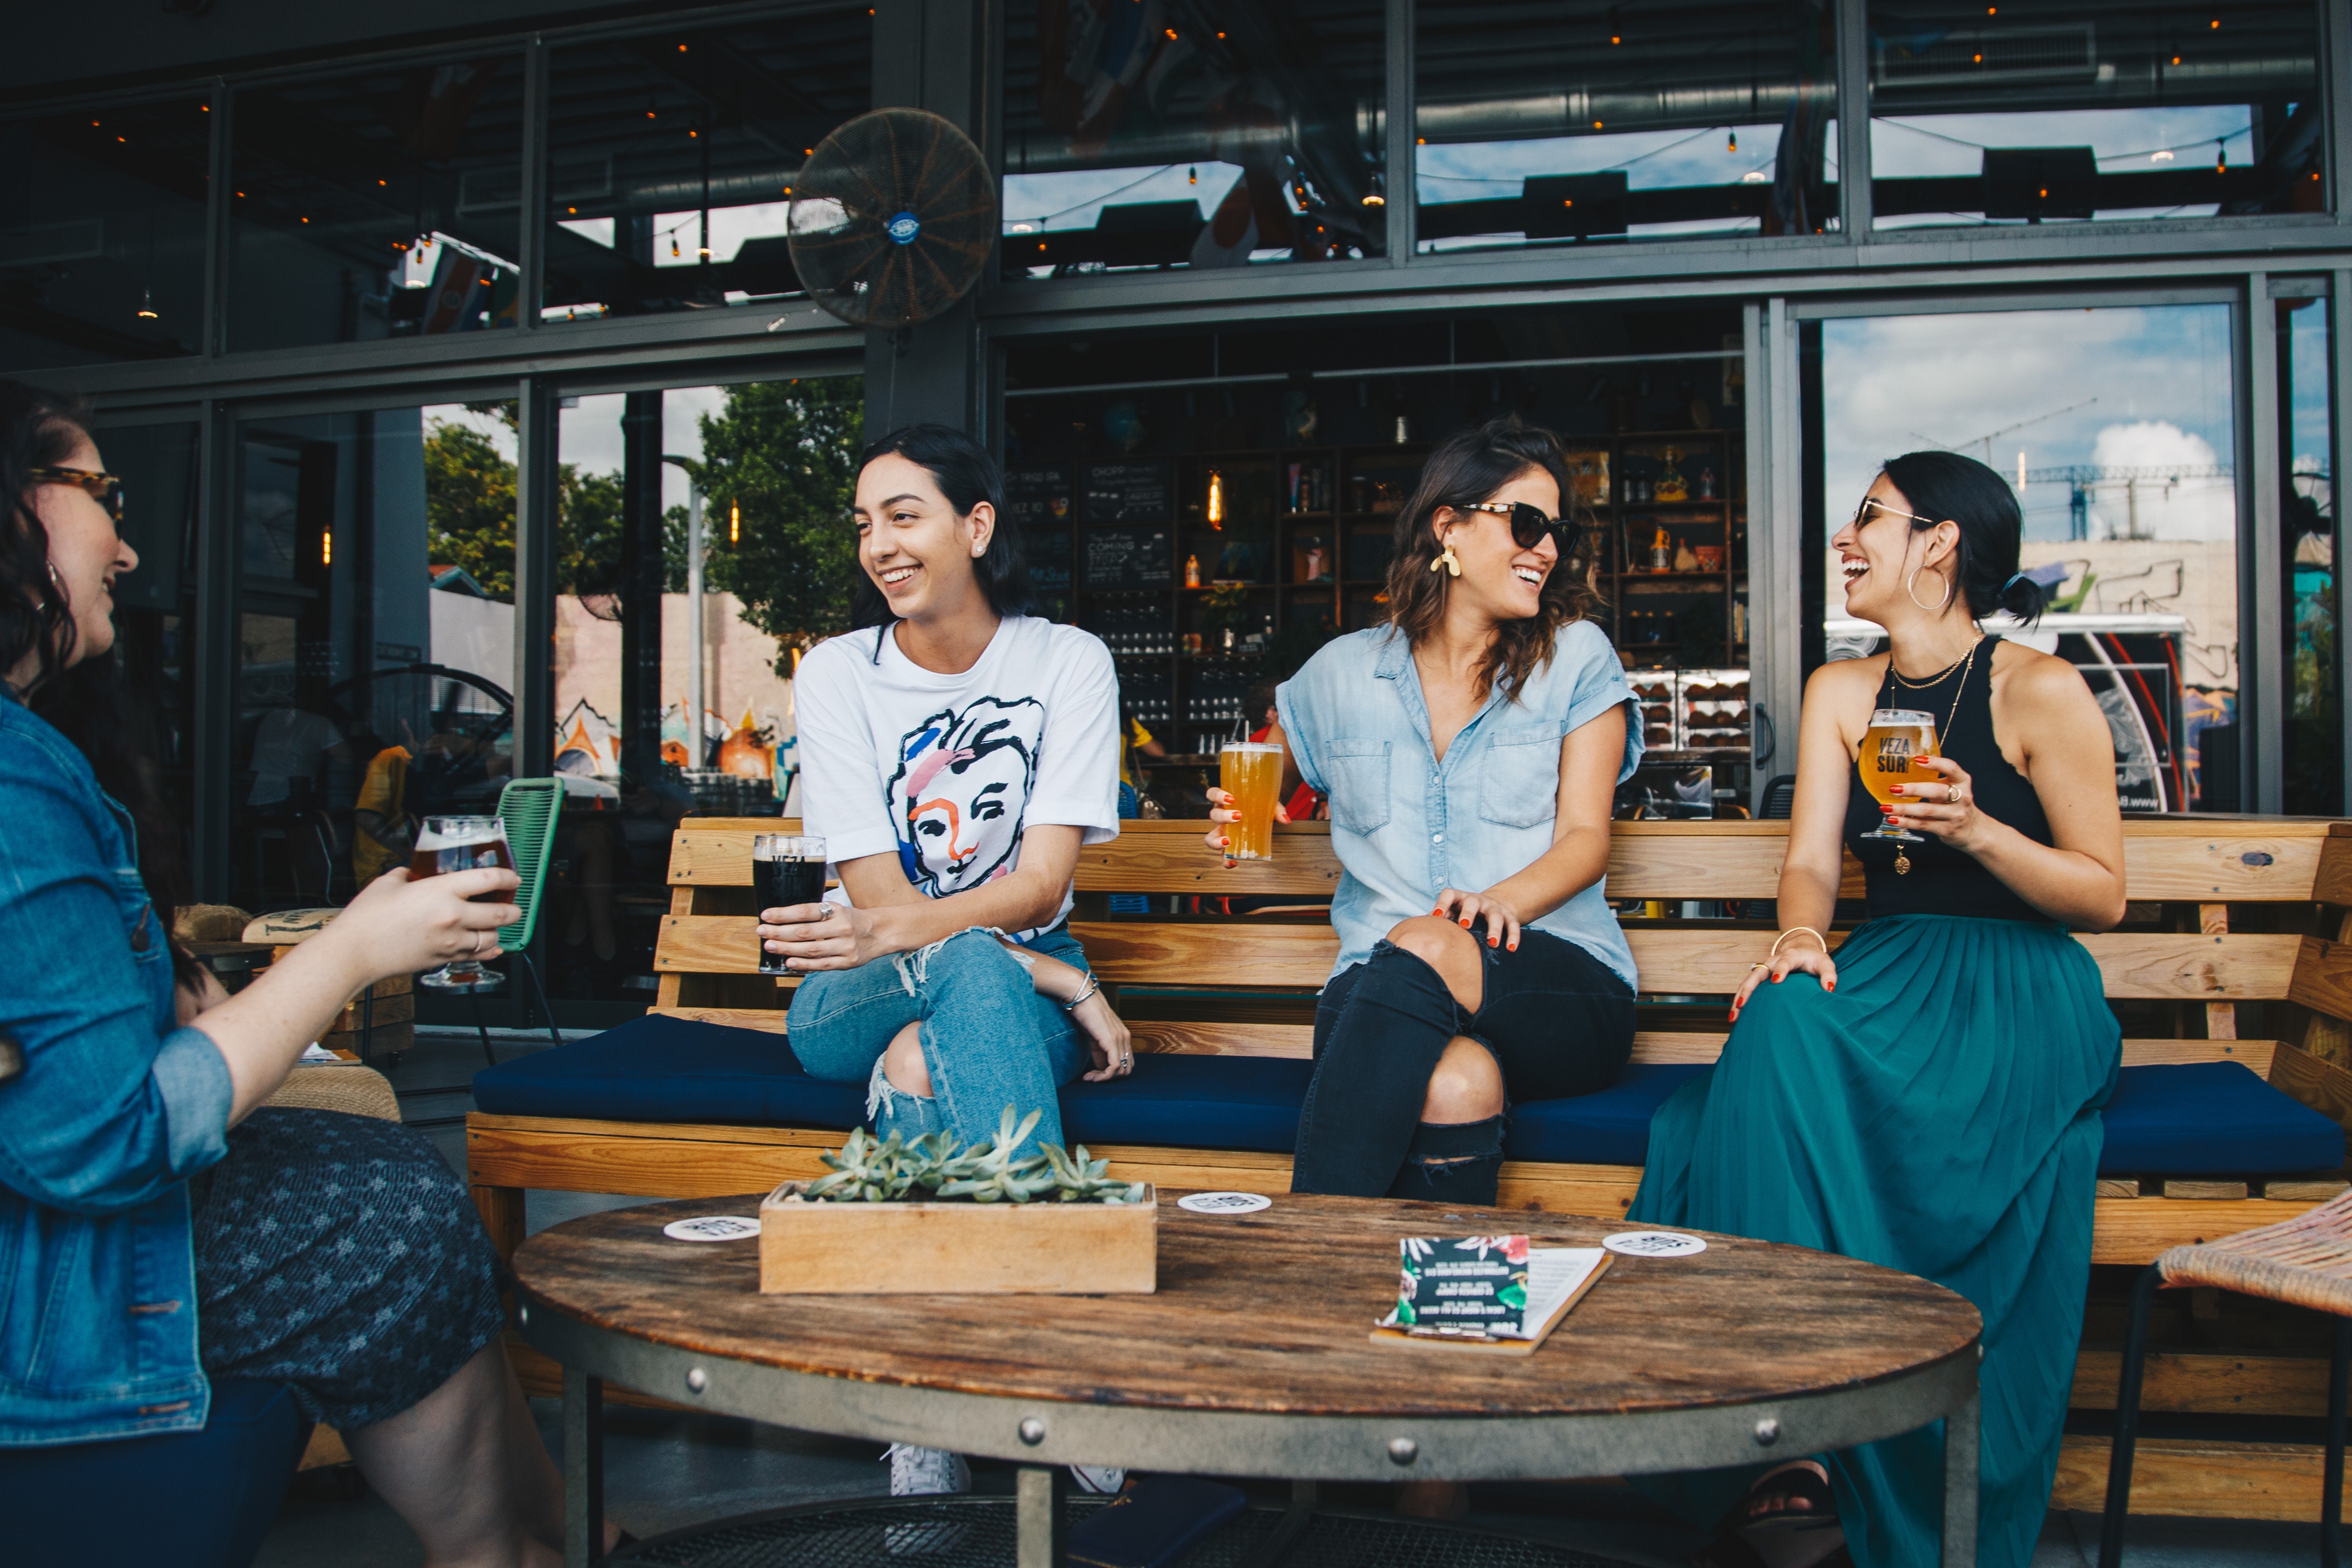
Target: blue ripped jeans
x,y
989,1040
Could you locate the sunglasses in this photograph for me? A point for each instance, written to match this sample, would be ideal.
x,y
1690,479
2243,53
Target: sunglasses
x,y
1861,513
1528,525
105,488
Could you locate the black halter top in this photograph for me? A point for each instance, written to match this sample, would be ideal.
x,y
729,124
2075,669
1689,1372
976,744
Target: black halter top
x,y
1944,880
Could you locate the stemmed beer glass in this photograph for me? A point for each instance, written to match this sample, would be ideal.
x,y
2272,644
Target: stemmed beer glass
x,y
1891,747
462,843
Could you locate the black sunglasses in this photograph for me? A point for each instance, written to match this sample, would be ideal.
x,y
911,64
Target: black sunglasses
x,y
105,487
1528,525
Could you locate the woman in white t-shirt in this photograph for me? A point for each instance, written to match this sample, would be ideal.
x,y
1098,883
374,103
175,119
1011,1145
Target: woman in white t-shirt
x,y
957,752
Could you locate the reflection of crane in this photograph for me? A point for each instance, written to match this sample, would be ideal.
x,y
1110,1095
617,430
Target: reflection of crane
x,y
2086,479
1987,439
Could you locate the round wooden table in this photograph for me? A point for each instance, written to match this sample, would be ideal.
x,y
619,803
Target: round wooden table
x,y
1254,1358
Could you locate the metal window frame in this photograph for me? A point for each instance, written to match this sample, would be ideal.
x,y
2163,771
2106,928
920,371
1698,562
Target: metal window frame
x,y
2262,680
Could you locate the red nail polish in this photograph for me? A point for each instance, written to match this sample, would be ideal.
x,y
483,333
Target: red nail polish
x,y
1514,946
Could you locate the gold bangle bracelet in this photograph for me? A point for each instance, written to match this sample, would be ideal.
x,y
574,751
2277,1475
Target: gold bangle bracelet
x,y
1808,931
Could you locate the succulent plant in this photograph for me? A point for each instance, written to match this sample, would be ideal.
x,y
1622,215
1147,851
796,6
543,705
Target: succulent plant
x,y
868,1170
995,1175
1078,1178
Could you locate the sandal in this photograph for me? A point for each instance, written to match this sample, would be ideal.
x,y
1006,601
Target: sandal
x,y
1785,1537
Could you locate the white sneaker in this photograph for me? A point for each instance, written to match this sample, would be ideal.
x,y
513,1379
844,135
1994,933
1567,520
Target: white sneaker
x,y
917,1471
1103,1480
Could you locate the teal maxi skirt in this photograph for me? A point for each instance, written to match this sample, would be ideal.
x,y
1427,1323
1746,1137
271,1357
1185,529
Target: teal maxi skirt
x,y
1938,1113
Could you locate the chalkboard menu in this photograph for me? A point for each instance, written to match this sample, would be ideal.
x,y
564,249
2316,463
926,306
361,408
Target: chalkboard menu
x,y
1038,496
1130,558
1048,553
1129,493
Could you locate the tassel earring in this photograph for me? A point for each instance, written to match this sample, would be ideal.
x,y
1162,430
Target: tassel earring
x,y
1449,561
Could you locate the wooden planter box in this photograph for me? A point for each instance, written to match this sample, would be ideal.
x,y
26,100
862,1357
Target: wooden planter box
x,y
956,1249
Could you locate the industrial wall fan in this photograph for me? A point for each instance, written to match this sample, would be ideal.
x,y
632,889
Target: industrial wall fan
x,y
892,218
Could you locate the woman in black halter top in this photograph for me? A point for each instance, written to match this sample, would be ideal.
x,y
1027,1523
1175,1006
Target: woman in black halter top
x,y
1928,1099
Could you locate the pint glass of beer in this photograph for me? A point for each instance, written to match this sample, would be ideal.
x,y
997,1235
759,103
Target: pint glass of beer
x,y
1890,749
461,843
785,869
1251,771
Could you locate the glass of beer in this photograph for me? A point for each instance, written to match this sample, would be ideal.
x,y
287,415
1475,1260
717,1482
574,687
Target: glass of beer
x,y
462,843
1251,772
786,868
1891,747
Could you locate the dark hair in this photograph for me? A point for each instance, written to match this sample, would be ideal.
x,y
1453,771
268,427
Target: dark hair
x,y
1946,486
967,476
37,430
1470,466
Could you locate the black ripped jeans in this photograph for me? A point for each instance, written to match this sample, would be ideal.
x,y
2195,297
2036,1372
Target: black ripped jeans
x,y
1557,1021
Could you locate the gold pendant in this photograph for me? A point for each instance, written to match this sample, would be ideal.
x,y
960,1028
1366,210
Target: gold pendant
x,y
1902,863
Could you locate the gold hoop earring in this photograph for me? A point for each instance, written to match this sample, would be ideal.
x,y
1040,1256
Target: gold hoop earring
x,y
1932,609
1449,561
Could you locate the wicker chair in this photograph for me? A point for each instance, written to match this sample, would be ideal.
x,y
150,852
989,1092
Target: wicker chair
x,y
2305,1262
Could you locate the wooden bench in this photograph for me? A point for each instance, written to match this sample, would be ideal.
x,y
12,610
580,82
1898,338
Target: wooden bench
x,y
1199,985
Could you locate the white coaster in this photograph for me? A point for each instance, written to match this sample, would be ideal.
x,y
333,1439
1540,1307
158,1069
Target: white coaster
x,y
712,1228
1654,1244
1224,1202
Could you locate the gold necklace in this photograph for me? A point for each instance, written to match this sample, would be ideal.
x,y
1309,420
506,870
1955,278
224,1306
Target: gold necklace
x,y
1937,677
1967,662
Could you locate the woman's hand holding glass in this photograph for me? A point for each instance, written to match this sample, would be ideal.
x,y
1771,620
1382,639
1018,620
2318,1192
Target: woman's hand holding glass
x,y
1946,811
1799,954
1220,811
1502,919
398,926
813,937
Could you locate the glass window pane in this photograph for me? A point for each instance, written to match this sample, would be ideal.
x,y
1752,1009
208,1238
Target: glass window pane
x,y
376,205
102,234
766,469
1211,134
375,643
2311,595
2116,427
2018,114
671,160
1543,123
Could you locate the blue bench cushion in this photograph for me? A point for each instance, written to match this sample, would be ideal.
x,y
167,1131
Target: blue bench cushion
x,y
2190,1119
658,1069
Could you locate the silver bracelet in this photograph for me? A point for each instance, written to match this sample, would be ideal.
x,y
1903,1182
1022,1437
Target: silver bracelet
x,y
1093,985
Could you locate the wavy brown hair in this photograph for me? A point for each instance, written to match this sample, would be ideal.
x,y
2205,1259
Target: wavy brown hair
x,y
38,429
1470,466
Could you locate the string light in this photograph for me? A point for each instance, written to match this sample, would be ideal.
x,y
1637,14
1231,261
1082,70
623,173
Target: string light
x,y
1216,499
327,548
734,522
673,243
1733,144
147,304
2221,157
1193,178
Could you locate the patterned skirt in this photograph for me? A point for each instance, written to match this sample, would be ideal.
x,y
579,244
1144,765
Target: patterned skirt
x,y
340,1254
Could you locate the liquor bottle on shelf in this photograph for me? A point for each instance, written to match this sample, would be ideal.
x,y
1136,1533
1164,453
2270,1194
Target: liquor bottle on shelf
x,y
1192,571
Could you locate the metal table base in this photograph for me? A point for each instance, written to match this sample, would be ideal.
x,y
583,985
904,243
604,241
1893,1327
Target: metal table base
x,y
1044,1435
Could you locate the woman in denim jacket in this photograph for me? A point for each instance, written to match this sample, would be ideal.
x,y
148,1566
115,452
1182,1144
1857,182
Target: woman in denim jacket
x,y
1471,749
379,1307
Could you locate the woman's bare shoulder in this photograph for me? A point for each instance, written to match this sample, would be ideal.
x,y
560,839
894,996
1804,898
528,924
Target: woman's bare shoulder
x,y
2029,676
1841,678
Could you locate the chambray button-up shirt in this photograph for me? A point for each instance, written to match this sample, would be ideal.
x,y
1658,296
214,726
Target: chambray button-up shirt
x,y
1405,824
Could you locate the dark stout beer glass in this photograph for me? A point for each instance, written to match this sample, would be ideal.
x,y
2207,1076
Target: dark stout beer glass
x,y
462,843
785,869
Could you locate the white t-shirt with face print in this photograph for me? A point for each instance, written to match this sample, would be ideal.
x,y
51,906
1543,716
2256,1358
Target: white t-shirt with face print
x,y
945,771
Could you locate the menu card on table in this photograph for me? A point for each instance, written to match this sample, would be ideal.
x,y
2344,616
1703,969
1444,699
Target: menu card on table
x,y
1486,1293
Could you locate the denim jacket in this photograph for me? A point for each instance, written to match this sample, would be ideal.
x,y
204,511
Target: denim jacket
x,y
115,1109
1405,824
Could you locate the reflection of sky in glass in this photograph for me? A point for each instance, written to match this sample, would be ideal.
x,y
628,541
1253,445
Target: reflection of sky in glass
x,y
2155,383
1652,160
1946,146
2306,351
588,434
1075,198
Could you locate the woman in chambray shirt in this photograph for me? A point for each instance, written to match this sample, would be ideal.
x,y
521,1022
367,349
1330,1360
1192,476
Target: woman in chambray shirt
x,y
1471,749
328,1258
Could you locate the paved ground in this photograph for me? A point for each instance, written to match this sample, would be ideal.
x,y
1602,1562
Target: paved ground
x,y
667,1470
